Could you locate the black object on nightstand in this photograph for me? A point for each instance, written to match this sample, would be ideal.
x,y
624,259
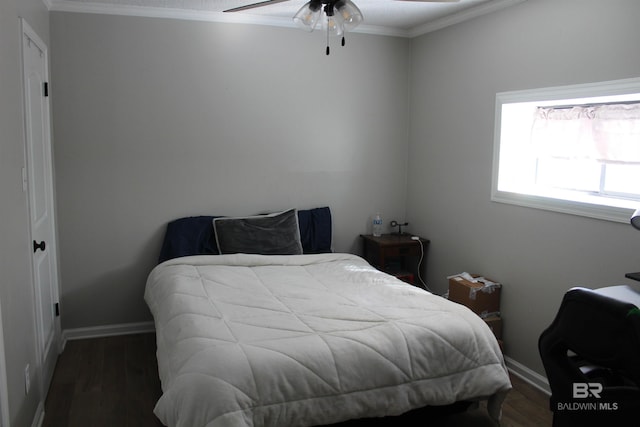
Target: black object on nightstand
x,y
393,253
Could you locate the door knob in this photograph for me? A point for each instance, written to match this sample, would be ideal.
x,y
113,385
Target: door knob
x,y
42,246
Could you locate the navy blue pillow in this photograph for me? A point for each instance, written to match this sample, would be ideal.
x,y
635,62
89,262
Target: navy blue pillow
x,y
315,230
189,236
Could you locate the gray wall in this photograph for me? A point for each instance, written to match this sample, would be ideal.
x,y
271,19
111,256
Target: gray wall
x,y
158,119
455,76
16,292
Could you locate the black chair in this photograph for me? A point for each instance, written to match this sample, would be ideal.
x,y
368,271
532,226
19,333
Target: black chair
x,y
591,354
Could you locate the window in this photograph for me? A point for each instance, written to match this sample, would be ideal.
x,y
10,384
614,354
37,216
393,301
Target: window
x,y
572,149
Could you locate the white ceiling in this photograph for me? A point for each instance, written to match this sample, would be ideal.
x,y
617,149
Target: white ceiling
x,y
388,17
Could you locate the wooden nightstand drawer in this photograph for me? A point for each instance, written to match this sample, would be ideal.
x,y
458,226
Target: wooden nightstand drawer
x,y
408,250
397,254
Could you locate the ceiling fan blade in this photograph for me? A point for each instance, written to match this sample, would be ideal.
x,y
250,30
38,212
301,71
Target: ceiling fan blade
x,y
254,5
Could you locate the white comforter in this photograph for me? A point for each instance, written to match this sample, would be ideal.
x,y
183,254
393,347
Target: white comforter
x,y
251,340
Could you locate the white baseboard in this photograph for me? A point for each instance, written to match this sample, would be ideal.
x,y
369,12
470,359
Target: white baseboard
x,y
535,379
106,331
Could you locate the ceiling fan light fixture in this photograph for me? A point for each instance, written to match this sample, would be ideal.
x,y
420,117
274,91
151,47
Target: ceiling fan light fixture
x,y
308,16
335,16
350,13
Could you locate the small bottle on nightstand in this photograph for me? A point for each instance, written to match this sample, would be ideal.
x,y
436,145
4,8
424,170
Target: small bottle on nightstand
x,y
377,225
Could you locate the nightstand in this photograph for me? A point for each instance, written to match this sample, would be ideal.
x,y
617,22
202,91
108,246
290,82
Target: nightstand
x,y
397,254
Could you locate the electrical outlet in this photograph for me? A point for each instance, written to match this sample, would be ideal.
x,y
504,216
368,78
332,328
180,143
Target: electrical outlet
x,y
27,379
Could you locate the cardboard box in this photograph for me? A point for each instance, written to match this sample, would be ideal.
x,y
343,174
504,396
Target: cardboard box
x,y
482,299
495,324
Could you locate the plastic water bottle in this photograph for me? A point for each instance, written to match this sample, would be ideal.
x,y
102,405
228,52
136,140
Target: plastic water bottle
x,y
377,225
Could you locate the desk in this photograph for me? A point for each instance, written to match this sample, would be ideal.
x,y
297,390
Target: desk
x,y
625,293
393,253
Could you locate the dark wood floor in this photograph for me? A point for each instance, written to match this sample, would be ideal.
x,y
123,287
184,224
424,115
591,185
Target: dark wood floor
x,y
113,382
109,381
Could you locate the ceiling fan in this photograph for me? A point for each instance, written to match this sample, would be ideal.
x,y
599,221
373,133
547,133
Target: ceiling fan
x,y
339,15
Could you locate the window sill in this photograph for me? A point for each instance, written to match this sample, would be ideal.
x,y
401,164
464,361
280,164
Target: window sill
x,y
620,213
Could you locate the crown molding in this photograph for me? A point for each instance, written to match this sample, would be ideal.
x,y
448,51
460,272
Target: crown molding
x,y
162,12
211,16
462,16
196,15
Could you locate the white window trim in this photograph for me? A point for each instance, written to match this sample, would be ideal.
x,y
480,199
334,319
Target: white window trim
x,y
592,210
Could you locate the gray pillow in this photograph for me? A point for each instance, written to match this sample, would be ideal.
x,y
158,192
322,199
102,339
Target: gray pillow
x,y
273,234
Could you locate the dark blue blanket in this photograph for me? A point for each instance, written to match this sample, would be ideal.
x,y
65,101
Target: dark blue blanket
x,y
195,235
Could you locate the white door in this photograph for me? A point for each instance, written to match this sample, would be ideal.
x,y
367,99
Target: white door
x,y
40,194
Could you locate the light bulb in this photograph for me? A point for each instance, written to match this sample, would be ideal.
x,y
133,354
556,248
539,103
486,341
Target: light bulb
x,y
333,26
333,23
308,15
307,18
346,14
351,15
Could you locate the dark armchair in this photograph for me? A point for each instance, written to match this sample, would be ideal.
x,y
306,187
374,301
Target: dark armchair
x,y
591,354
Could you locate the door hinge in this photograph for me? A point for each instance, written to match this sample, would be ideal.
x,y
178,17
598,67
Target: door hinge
x,y
57,309
46,88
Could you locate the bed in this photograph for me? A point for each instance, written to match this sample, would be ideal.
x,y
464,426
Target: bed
x,y
310,339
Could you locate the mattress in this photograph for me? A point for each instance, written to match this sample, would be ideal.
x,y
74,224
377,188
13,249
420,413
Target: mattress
x,y
255,340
